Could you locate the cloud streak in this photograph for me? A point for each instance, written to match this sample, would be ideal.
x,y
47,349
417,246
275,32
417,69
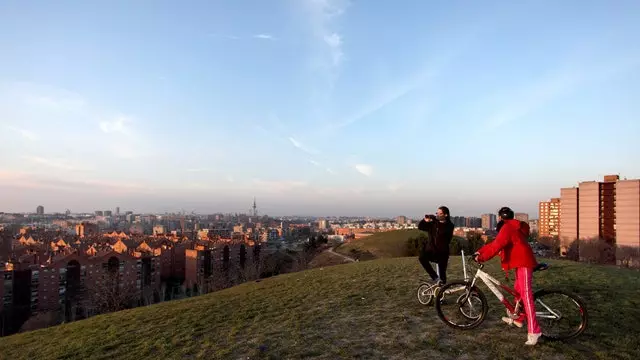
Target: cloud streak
x,y
62,164
563,81
322,15
117,125
25,133
364,169
264,37
302,147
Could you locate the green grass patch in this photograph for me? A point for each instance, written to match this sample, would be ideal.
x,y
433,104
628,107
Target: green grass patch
x,y
357,310
390,244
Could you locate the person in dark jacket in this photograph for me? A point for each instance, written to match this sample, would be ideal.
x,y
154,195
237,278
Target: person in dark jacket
x,y
440,233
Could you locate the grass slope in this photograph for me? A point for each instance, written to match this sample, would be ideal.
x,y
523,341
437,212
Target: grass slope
x,y
358,310
388,244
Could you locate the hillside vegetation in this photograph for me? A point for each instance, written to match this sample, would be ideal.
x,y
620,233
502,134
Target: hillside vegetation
x,y
357,310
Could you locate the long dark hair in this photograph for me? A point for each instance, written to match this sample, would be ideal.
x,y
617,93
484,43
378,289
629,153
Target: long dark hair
x,y
446,212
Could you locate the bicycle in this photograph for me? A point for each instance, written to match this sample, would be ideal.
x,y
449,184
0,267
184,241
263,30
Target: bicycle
x,y
427,290
471,294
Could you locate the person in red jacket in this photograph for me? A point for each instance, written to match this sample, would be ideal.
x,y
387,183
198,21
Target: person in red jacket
x,y
515,253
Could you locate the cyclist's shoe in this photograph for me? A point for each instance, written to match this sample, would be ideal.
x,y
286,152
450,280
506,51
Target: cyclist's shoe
x,y
532,339
511,321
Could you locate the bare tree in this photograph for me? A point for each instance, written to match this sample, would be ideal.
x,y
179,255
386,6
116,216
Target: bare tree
x,y
110,294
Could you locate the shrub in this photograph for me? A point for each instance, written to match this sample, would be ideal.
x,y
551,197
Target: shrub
x,y
627,256
597,251
414,244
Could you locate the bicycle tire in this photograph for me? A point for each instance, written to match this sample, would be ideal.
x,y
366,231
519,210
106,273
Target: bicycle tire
x,y
474,291
428,299
584,315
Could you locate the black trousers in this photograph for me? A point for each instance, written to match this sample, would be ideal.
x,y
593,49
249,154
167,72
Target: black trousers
x,y
442,262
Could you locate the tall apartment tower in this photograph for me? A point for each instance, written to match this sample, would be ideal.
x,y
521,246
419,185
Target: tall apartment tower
x,y
627,213
569,223
597,209
549,218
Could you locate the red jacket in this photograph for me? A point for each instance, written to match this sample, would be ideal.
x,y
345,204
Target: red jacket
x,y
512,245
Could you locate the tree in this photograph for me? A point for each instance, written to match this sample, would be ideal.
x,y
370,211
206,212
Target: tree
x,y
109,293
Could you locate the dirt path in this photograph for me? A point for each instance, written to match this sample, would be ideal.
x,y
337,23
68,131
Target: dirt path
x,y
330,250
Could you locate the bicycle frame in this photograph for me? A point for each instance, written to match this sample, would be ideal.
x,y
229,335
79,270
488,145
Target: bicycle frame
x,y
493,284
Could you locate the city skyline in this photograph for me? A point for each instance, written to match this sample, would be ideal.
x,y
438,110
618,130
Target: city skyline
x,y
314,107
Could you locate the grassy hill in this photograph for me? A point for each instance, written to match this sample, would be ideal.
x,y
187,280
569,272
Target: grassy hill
x,y
358,310
380,245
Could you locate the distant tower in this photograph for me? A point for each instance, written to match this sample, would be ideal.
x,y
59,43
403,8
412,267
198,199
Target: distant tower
x,y
255,208
40,210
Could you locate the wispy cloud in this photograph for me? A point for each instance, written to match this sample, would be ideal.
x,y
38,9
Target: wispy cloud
x,y
119,124
322,16
36,181
302,147
25,133
388,96
319,165
364,169
264,37
334,41
278,186
57,163
565,80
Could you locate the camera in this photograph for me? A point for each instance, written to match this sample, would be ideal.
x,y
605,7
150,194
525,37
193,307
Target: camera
x,y
430,216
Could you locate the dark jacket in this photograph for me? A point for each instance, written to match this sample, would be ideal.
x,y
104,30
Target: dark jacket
x,y
440,235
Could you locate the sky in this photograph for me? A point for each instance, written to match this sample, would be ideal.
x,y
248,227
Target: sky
x,y
314,107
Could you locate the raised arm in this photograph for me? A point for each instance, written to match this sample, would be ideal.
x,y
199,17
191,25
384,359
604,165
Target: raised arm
x,y
492,249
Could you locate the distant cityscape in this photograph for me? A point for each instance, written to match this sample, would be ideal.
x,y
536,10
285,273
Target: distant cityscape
x,y
57,263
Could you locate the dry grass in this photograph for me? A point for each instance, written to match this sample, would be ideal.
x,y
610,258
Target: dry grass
x,y
358,310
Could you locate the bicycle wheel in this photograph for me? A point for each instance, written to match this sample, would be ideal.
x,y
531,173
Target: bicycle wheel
x,y
461,306
426,292
561,314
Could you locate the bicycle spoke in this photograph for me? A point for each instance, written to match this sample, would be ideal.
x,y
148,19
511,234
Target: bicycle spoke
x,y
561,315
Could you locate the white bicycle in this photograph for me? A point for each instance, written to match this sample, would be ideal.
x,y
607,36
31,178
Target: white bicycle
x,y
470,306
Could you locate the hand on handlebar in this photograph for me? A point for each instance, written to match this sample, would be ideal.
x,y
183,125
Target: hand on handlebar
x,y
475,256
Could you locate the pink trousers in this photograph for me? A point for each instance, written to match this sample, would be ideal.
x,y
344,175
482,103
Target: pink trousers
x,y
522,286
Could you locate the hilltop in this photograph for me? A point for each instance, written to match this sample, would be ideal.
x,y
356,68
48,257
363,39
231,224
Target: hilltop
x,y
366,309
389,244
383,245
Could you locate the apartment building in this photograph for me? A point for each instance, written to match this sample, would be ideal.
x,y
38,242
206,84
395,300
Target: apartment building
x,y
489,221
627,213
608,209
203,263
569,219
522,217
549,218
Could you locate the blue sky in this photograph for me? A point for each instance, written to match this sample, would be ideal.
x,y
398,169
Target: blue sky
x,y
314,107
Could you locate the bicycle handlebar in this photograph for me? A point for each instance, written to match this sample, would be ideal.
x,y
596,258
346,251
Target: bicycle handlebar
x,y
472,259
